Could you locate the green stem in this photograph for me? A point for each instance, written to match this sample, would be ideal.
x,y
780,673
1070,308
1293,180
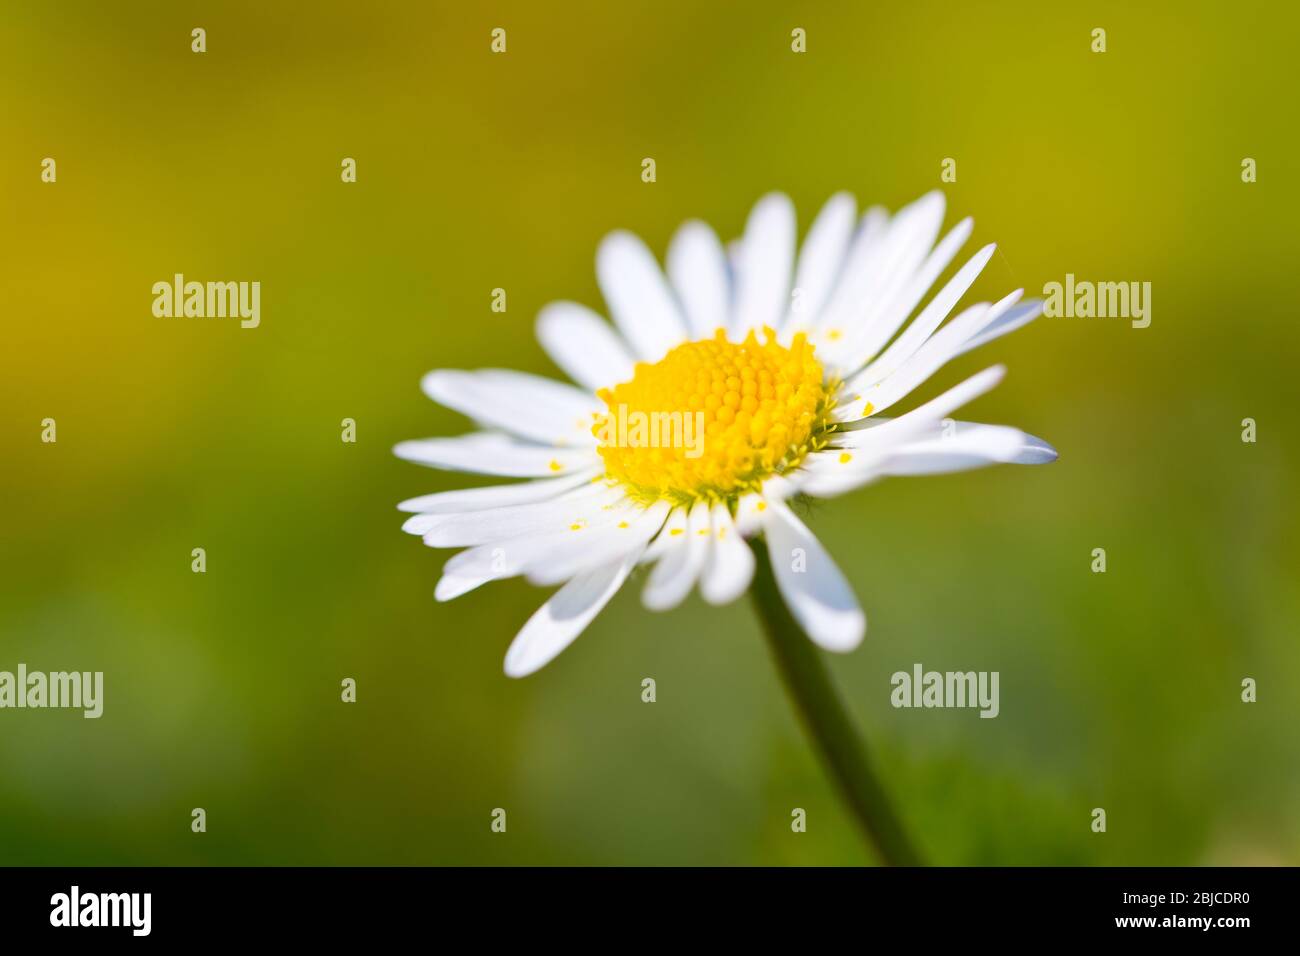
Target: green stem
x,y
827,721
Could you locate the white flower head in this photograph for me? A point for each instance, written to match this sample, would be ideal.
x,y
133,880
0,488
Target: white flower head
x,y
744,376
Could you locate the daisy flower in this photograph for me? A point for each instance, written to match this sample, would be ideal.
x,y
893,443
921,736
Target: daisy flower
x,y
731,381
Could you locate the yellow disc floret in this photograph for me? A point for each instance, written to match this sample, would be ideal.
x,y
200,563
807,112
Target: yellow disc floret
x,y
713,418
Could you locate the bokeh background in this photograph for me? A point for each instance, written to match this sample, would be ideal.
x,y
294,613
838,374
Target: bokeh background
x,y
1118,690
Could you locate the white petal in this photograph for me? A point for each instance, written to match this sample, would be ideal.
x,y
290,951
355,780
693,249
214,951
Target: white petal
x,y
897,356
943,447
860,450
914,257
505,557
638,297
909,371
859,271
818,596
697,267
932,356
554,554
751,514
674,528
1013,319
821,483
972,446
600,544
821,259
766,260
677,571
561,619
496,561
886,434
452,586
584,345
469,528
496,496
529,406
499,559
929,318
489,453
1035,452
730,564
864,304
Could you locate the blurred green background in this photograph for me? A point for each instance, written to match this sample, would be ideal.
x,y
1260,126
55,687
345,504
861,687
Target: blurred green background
x,y
478,171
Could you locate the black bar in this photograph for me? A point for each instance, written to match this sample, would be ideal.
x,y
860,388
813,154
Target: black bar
x,y
210,905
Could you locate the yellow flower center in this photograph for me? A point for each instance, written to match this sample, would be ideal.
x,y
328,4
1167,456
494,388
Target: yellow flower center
x,y
712,419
